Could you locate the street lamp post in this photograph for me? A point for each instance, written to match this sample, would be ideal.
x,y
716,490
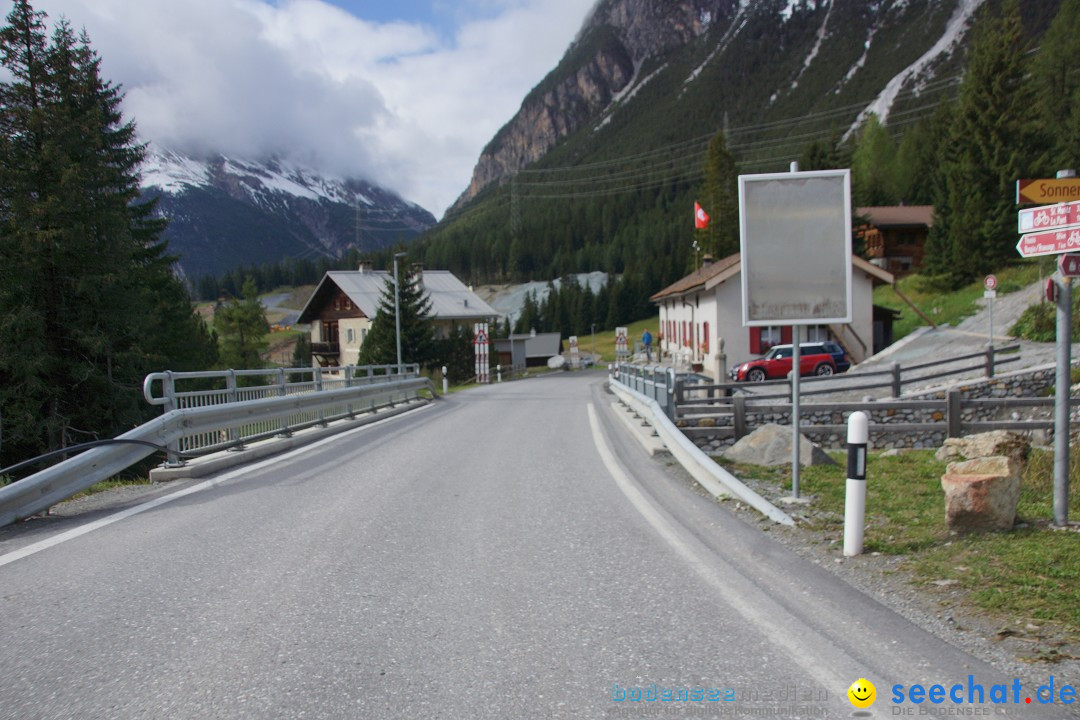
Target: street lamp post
x,y
397,310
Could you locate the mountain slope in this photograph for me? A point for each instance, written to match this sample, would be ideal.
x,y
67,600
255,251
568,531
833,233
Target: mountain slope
x,y
224,212
599,168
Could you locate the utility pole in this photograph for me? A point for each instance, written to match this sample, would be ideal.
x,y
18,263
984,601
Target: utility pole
x,y
397,310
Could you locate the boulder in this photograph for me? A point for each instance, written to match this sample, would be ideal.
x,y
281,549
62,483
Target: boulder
x,y
771,445
988,444
981,494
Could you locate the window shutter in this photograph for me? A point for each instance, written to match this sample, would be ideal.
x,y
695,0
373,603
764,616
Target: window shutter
x,y
755,341
785,334
705,339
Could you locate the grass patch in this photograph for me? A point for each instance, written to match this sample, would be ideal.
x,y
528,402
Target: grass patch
x,y
947,306
605,339
1031,572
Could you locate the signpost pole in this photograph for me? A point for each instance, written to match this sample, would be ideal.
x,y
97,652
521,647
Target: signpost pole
x,y
1061,403
796,362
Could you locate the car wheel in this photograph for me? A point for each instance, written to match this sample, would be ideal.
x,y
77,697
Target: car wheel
x,y
824,369
755,375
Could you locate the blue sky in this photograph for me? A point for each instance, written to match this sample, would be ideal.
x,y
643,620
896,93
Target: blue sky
x,y
404,93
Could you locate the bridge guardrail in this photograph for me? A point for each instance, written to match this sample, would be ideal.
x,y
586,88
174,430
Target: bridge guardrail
x,y
244,420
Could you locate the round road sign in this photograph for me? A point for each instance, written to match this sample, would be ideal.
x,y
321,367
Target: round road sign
x,y
990,283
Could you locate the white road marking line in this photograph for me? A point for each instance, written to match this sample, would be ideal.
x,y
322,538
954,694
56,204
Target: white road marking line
x,y
150,505
804,656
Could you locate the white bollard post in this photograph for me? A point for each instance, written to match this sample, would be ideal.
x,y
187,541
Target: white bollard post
x,y
445,382
498,373
858,437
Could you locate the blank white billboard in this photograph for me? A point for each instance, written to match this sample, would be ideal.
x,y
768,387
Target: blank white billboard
x,y
795,233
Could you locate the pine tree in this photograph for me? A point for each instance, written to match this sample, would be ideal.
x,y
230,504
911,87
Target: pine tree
x,y
993,143
1057,88
241,326
88,304
873,177
720,198
417,330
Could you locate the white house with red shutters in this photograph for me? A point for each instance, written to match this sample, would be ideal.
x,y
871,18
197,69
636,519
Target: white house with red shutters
x,y
701,319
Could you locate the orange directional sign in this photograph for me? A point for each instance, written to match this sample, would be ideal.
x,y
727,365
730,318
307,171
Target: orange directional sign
x,y
1051,242
1047,190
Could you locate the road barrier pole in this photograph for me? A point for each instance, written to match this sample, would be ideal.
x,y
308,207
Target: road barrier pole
x,y
445,382
855,499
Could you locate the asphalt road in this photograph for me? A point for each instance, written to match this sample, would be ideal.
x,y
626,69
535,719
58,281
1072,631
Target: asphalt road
x,y
505,553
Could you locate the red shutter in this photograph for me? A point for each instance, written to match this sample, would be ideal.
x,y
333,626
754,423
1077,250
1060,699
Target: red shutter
x,y
705,339
755,341
785,334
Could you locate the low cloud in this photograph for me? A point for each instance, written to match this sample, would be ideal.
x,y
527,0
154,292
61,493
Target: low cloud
x,y
395,103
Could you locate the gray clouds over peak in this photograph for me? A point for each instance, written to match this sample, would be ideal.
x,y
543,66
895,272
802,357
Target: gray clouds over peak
x,y
390,102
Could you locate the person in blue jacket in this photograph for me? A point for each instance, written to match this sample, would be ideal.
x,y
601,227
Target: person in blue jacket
x,y
646,340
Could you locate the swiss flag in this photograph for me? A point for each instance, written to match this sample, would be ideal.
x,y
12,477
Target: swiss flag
x,y
701,219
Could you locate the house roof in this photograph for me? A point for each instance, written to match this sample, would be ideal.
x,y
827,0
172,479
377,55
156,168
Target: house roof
x,y
708,277
450,298
898,215
700,278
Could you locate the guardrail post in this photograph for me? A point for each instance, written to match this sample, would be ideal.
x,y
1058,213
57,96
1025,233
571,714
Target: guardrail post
x,y
953,414
670,405
231,396
897,385
989,360
283,391
349,369
172,449
739,420
319,388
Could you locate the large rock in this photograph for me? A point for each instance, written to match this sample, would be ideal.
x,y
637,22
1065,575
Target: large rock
x,y
988,444
981,494
771,445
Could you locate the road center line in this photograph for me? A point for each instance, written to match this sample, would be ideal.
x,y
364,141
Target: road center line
x,y
63,537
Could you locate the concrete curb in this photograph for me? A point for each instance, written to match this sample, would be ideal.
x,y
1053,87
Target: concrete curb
x,y
652,444
210,464
717,481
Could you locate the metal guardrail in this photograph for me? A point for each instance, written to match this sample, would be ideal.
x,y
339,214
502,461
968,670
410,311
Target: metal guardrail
x,y
655,382
243,419
708,474
183,390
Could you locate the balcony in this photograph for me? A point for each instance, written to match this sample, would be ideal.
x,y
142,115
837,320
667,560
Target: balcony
x,y
326,349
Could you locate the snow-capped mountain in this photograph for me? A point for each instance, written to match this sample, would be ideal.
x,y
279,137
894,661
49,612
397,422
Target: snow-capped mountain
x,y
226,212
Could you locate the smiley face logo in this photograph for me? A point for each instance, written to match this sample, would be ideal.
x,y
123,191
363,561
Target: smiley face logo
x,y
862,693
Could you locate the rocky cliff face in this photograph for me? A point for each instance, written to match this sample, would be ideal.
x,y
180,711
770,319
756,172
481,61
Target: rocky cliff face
x,y
613,45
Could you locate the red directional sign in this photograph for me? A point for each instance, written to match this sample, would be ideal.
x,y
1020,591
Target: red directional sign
x,y
1052,242
1069,265
1048,217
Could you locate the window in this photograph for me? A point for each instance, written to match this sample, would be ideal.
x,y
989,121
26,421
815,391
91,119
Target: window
x,y
350,336
818,333
763,338
363,335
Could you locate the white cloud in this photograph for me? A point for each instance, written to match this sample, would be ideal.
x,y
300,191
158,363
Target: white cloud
x,y
392,102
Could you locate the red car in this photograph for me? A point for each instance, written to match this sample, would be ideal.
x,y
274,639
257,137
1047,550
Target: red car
x,y
776,364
